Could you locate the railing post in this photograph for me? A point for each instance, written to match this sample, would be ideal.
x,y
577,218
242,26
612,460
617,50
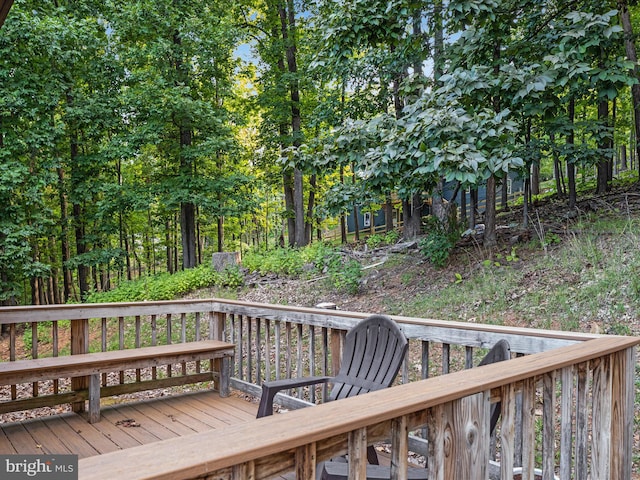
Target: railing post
x,y
306,462
601,421
400,448
79,345
216,332
623,413
358,454
508,400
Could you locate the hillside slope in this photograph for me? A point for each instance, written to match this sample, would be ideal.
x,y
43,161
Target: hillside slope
x,y
586,276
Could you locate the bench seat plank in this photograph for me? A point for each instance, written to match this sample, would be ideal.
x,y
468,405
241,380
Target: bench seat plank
x,y
92,365
33,370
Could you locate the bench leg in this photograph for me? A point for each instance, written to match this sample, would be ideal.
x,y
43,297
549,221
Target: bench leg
x,y
224,376
94,398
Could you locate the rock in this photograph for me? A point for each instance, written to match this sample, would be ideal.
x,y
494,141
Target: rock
x,y
221,260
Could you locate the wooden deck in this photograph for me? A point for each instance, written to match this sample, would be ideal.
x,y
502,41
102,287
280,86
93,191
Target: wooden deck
x,y
125,425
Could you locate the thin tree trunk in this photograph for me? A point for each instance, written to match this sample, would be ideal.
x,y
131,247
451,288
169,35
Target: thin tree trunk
x,y
630,47
473,210
168,240
504,190
287,179
412,216
67,277
388,213
571,166
490,239
603,164
288,28
310,207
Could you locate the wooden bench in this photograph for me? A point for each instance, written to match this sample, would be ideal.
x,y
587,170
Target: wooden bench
x,y
92,365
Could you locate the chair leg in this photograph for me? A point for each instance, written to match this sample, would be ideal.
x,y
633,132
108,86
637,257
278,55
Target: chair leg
x,y
372,455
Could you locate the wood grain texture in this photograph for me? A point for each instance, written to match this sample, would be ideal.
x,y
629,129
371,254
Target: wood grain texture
x,y
276,435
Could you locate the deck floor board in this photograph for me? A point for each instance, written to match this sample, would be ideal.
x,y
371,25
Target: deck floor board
x,y
125,425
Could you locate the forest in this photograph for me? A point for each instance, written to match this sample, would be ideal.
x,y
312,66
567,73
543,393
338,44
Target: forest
x,y
140,137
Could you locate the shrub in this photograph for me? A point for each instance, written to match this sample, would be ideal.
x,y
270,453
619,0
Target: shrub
x,y
438,243
346,277
167,286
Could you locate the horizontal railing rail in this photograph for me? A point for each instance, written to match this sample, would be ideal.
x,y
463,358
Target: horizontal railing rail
x,y
272,341
595,430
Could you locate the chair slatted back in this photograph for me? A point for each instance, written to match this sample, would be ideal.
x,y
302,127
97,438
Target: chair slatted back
x,y
373,352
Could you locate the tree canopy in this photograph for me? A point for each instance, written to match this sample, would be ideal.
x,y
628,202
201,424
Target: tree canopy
x,y
144,136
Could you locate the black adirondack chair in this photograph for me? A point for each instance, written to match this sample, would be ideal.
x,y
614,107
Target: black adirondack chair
x,y
339,470
372,355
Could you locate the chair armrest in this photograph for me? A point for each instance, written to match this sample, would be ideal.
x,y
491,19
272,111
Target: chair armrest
x,y
270,389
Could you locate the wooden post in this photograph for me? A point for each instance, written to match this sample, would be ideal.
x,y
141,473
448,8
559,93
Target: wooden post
x,y
220,365
601,421
623,365
400,448
358,454
79,345
336,351
306,462
549,425
94,398
507,430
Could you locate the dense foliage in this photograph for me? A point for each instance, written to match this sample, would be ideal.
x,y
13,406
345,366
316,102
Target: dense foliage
x,y
139,138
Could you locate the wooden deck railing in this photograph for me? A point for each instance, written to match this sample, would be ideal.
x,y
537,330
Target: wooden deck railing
x,y
598,432
279,341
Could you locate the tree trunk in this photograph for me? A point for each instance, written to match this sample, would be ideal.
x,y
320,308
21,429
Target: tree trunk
x,y
310,207
438,40
437,204
81,248
287,180
603,164
504,190
535,179
78,217
188,232
288,27
412,216
220,233
463,206
388,213
343,217
557,170
571,166
168,242
490,239
67,277
473,208
630,47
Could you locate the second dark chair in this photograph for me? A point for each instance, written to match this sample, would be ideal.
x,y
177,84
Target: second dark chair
x,y
336,470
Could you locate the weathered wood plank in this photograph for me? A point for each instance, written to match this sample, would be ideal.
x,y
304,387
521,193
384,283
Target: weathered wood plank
x,y
358,454
354,414
567,418
70,437
601,421
47,440
548,425
400,450
100,442
21,440
306,461
582,422
507,430
622,412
